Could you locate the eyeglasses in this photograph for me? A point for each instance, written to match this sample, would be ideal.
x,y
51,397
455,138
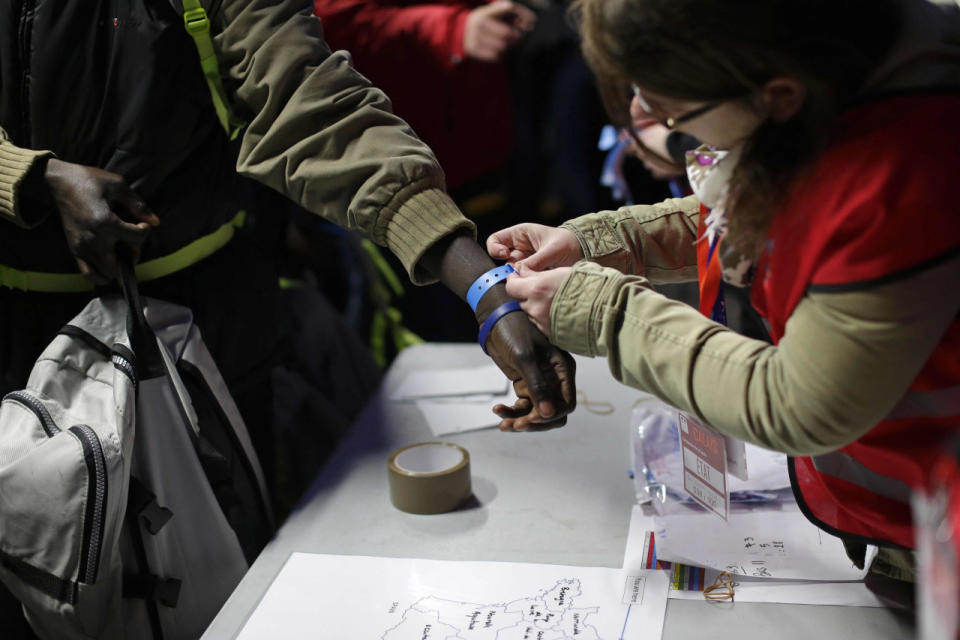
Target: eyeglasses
x,y
671,123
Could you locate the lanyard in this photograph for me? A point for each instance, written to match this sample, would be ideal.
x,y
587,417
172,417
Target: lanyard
x,y
710,274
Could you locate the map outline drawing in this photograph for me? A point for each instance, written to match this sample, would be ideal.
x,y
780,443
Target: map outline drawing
x,y
549,615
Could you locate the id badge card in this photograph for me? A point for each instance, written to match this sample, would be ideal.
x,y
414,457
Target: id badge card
x,y
704,465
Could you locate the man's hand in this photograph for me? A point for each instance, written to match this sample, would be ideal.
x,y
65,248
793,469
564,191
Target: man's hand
x,y
94,205
536,246
493,28
543,376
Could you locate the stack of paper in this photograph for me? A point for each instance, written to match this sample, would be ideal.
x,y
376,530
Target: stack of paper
x,y
455,400
688,579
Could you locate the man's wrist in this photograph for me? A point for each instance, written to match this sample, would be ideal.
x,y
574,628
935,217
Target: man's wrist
x,y
495,296
36,200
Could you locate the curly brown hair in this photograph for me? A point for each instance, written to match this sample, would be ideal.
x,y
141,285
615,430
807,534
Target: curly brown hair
x,y
709,50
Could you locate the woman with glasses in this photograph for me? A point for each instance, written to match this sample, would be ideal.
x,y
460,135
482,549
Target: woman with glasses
x,y
827,184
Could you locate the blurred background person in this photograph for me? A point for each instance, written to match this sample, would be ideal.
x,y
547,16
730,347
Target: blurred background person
x,y
441,63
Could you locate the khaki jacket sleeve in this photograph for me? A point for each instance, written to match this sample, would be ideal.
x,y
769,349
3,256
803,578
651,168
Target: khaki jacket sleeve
x,y
322,135
15,166
655,241
842,365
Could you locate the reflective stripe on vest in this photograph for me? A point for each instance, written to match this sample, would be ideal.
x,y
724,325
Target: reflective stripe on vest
x,y
939,403
845,467
150,270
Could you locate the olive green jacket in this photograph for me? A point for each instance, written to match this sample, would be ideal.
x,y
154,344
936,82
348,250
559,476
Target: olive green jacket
x,y
843,363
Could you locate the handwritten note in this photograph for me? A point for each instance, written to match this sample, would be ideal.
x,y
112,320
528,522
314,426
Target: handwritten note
x,y
761,544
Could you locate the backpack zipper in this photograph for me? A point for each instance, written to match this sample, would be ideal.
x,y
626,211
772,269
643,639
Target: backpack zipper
x,y
125,367
96,463
93,521
120,356
33,404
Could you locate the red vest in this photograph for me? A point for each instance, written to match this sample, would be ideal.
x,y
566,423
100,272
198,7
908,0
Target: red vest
x,y
879,204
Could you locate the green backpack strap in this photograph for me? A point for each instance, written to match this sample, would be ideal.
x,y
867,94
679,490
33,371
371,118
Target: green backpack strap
x,y
198,26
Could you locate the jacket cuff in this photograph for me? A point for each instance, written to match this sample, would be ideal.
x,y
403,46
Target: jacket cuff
x,y
576,315
16,165
417,223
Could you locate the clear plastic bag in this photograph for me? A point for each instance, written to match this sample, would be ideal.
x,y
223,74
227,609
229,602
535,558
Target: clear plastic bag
x,y
764,536
658,465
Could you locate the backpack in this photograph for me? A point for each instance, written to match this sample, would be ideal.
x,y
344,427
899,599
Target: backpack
x,y
131,499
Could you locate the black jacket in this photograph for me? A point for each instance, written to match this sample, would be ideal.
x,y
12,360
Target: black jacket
x,y
115,84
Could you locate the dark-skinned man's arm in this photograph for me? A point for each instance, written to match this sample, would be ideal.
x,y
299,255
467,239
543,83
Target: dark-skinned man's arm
x,y
543,375
320,134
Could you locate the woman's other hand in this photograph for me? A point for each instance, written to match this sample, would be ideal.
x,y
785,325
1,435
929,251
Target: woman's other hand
x,y
535,246
535,290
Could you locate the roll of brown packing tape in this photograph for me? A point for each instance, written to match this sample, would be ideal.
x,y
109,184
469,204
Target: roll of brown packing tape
x,y
429,477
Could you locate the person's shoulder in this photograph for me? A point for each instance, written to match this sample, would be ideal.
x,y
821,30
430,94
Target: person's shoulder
x,y
896,147
898,123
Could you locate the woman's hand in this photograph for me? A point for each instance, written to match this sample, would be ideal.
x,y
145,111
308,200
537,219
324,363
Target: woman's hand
x,y
92,204
536,246
535,290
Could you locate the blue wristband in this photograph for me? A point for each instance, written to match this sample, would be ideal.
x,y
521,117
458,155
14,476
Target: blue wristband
x,y
499,312
482,284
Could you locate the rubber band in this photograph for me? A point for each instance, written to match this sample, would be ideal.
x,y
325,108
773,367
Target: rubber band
x,y
483,284
721,589
601,408
493,318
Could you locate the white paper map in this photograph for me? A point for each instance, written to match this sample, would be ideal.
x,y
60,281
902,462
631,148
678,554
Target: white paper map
x,y
549,613
323,596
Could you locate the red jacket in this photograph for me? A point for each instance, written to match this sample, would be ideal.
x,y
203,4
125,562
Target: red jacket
x,y
879,204
414,52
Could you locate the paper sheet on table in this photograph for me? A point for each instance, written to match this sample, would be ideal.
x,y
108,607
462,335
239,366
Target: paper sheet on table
x,y
687,582
487,379
761,543
767,471
405,599
454,415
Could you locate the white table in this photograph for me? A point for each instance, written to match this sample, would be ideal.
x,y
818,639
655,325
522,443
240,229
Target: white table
x,y
559,497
